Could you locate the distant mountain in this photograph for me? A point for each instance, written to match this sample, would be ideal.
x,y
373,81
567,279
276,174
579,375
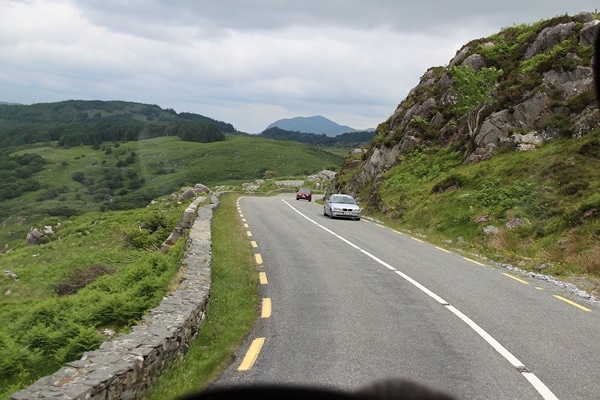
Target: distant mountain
x,y
316,124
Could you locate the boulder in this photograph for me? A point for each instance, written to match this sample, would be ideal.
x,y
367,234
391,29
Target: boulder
x,y
34,237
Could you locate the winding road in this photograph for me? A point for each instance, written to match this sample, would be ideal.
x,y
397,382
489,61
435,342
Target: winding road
x,y
348,303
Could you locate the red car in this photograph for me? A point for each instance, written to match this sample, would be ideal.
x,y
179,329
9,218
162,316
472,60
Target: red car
x,y
304,193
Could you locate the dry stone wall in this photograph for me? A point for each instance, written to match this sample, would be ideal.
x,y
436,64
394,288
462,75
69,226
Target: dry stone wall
x,y
126,366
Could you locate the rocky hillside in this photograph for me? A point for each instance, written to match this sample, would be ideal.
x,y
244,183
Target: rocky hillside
x,y
500,148
544,91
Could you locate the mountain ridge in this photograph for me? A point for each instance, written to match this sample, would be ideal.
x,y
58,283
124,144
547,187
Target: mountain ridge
x,y
314,124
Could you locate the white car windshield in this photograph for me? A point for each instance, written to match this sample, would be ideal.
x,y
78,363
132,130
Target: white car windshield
x,y
343,199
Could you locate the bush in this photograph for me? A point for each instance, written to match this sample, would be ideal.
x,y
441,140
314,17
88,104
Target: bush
x,y
80,278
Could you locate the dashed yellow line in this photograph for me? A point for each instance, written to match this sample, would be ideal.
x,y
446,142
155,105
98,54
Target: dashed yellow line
x,y
474,262
572,303
254,244
258,258
262,278
249,233
252,354
515,278
246,226
266,308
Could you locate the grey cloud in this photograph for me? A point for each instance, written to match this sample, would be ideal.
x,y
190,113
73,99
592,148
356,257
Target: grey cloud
x,y
245,62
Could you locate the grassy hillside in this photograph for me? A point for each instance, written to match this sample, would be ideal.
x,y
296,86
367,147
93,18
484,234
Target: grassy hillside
x,y
544,205
452,162
98,271
129,175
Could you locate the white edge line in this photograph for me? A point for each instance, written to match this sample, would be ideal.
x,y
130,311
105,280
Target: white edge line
x,y
542,389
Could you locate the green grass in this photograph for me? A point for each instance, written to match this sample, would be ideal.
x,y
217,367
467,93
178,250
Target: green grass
x,y
134,173
231,312
97,271
433,193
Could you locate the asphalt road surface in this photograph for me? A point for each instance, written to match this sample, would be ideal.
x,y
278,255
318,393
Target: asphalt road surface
x,y
348,303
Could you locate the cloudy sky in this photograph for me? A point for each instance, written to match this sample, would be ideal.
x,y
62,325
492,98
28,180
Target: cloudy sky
x,y
246,62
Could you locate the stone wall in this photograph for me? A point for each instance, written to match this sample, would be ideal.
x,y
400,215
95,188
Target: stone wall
x,y
125,367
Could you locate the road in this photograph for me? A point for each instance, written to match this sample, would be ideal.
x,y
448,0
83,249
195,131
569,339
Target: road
x,y
349,303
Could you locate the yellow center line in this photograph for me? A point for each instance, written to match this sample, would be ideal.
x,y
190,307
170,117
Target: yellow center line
x,y
573,303
515,278
258,258
252,354
262,277
474,262
266,308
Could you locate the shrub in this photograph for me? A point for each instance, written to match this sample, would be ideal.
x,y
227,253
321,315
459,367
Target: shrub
x,y
453,181
80,278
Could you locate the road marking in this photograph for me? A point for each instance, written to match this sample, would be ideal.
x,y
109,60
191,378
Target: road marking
x,y
252,354
515,278
258,258
572,303
253,243
266,308
262,277
474,262
246,226
249,233
418,240
538,385
442,249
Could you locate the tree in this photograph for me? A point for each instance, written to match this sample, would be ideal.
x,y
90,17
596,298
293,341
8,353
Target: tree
x,y
471,91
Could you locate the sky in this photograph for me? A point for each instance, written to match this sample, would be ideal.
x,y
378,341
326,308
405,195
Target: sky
x,y
246,62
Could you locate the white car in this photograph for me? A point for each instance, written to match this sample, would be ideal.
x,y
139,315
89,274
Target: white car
x,y
341,206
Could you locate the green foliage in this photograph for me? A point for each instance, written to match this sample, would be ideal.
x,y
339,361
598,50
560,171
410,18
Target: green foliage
x,y
233,305
101,282
553,191
554,58
471,91
349,139
76,122
73,181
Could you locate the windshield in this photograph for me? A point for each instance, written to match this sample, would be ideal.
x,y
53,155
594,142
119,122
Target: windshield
x,y
343,200
453,241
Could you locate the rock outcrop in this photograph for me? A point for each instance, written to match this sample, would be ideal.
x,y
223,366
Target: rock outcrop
x,y
544,91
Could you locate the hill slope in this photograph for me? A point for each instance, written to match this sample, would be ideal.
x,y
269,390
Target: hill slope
x,y
26,124
45,180
514,175
315,124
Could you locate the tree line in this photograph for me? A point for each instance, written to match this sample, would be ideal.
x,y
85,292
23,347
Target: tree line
x,y
77,133
349,139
